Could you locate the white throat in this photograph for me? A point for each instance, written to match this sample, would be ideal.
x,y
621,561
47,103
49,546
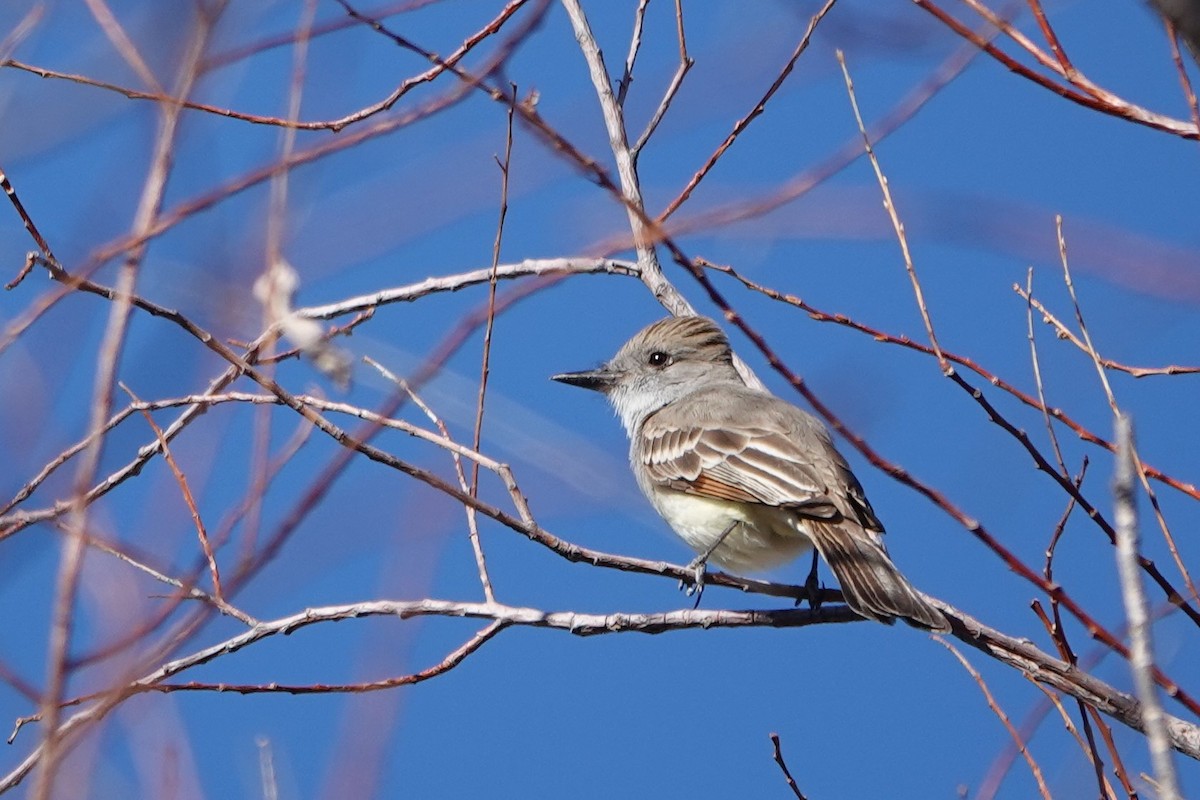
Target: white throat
x,y
634,405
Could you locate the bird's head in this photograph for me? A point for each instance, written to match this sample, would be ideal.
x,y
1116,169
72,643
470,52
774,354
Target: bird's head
x,y
660,364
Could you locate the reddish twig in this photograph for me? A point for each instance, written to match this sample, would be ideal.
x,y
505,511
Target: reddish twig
x,y
1078,89
1051,37
991,782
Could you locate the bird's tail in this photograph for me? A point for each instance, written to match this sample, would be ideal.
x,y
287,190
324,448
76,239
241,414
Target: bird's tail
x,y
870,582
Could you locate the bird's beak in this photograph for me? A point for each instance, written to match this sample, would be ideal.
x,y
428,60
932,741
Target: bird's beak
x,y
600,380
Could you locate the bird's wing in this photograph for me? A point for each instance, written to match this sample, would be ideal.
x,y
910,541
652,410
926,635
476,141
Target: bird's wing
x,y
731,462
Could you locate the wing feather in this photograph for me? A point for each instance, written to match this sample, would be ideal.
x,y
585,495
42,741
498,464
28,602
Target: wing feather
x,y
746,465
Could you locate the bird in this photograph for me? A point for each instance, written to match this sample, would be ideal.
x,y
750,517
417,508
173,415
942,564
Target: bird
x,y
746,479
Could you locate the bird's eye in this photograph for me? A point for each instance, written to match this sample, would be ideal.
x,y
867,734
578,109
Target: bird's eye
x,y
659,359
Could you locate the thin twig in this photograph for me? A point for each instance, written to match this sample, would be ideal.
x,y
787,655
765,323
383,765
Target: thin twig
x,y
236,53
777,754
645,231
1063,332
1003,717
188,589
635,45
1051,38
1087,338
685,65
1037,372
485,358
754,113
185,490
32,228
894,216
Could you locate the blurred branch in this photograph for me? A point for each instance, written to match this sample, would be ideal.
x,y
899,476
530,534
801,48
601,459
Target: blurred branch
x,y
1185,83
186,209
334,125
1141,658
224,58
107,362
122,43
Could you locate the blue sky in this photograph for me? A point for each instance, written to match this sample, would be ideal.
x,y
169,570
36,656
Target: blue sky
x,y
863,710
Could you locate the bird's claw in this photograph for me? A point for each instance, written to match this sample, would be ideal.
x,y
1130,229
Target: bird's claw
x,y
699,568
812,586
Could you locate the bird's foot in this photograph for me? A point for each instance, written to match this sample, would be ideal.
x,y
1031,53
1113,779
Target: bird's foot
x,y
812,586
699,568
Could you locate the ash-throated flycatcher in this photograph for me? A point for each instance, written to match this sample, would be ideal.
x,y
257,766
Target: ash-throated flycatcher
x,y
745,478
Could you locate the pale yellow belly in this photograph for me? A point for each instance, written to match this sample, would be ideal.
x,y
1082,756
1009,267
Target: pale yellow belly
x,y
764,537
